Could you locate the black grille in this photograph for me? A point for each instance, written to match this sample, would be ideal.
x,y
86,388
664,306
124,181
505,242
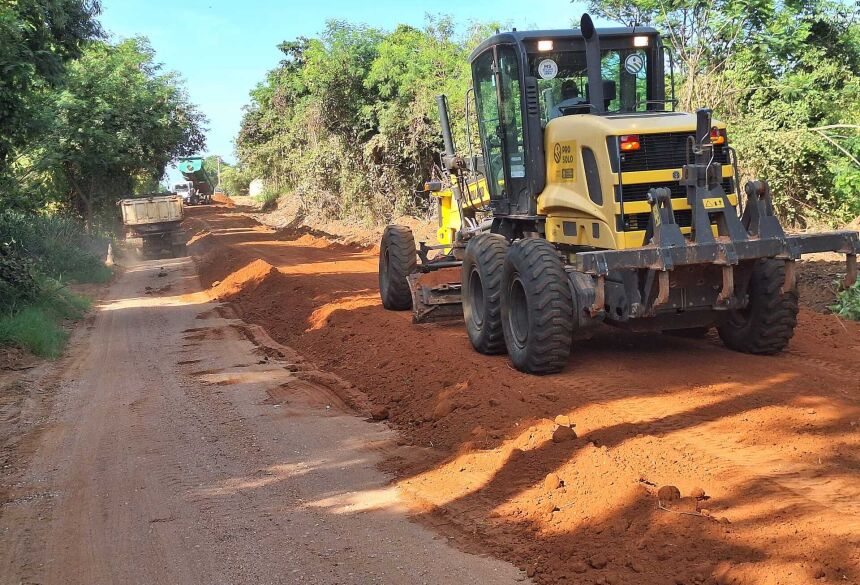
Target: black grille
x,y
639,221
664,151
639,192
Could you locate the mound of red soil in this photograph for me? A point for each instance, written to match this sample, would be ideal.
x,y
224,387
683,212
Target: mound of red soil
x,y
243,282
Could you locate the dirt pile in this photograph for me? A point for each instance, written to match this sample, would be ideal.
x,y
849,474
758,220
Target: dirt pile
x,y
560,474
243,281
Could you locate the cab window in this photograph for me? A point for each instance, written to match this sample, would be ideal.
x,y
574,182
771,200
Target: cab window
x,y
563,81
498,99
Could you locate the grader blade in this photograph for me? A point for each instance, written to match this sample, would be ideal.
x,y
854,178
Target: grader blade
x,y
436,295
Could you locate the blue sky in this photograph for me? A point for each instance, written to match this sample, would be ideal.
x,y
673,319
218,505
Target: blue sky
x,y
224,47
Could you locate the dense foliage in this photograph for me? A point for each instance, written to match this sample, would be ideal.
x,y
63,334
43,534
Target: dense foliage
x,y
39,253
83,122
347,121
58,245
37,38
119,120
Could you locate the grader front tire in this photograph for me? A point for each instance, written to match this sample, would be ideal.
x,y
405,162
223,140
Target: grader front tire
x,y
537,308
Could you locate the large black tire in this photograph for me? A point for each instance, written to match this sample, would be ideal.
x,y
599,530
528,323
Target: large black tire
x,y
483,263
767,324
537,308
180,250
397,260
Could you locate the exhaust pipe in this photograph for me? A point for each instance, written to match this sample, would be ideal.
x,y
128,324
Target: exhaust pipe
x,y
445,123
592,61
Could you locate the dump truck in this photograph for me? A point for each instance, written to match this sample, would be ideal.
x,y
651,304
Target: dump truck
x,y
590,199
153,224
197,187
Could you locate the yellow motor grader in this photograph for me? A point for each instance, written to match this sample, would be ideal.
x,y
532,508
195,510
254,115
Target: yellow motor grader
x,y
589,200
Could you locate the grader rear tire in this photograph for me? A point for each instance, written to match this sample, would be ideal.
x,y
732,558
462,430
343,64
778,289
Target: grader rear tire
x,y
767,324
397,260
537,308
483,263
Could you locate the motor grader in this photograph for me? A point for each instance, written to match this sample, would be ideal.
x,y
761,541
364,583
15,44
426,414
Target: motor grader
x,y
590,199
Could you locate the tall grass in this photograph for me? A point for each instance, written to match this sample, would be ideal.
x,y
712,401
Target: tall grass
x,y
39,254
38,326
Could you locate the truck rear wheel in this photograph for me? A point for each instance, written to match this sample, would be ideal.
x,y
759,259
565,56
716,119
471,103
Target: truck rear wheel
x,y
767,324
396,261
483,263
537,308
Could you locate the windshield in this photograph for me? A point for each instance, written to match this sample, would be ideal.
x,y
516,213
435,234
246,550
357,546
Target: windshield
x,y
181,188
563,81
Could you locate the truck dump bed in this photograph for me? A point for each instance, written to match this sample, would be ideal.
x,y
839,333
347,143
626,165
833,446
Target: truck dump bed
x,y
151,210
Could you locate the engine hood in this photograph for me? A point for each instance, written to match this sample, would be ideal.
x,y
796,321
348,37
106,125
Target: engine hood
x,y
630,123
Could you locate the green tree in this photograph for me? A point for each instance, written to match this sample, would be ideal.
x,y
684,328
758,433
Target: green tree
x,y
235,180
211,166
118,122
37,39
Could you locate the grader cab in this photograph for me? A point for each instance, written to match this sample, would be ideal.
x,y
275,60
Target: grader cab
x,y
589,200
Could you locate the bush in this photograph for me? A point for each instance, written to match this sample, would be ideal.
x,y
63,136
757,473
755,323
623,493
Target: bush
x,y
268,200
17,281
848,303
63,249
38,254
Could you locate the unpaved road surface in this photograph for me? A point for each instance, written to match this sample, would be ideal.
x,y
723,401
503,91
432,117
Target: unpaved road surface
x,y
764,450
174,445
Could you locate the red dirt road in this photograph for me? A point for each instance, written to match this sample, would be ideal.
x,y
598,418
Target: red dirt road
x,y
769,444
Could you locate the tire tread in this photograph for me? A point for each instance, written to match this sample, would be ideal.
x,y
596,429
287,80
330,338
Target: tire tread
x,y
402,262
542,271
773,314
488,252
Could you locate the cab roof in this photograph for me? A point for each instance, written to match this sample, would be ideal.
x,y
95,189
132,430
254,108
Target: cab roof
x,y
520,37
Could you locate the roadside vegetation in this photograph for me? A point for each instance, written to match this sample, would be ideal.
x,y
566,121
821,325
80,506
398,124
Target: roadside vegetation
x,y
847,303
267,199
347,122
84,122
40,255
